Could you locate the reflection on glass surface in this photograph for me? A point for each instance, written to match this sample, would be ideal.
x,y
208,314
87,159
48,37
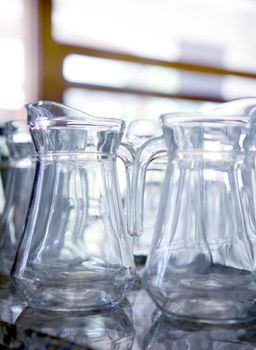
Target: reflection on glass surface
x,y
11,303
144,313
3,168
166,334
104,330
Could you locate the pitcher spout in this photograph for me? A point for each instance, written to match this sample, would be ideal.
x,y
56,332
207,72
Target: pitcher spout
x,y
50,111
239,106
56,128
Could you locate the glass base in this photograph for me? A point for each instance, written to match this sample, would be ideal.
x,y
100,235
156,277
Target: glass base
x,y
88,289
214,312
222,296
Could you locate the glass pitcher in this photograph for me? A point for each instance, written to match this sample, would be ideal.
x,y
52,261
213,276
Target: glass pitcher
x,y
201,266
20,176
74,253
138,132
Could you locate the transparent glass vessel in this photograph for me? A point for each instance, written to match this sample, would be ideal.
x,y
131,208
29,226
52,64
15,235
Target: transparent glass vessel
x,y
20,176
139,131
201,266
74,254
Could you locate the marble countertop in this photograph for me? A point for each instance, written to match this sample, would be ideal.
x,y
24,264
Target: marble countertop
x,y
136,324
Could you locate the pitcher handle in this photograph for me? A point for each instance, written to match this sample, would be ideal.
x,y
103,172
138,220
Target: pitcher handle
x,y
127,154
150,150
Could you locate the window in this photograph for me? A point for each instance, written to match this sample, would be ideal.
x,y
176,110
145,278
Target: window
x,y
130,58
12,65
18,82
141,59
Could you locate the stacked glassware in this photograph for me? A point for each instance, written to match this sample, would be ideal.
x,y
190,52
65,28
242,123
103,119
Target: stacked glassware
x,y
65,226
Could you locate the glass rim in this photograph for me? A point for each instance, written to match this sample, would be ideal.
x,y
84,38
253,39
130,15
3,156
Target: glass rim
x,y
83,119
205,118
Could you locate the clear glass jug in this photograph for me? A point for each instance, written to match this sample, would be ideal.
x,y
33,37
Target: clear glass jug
x,y
138,132
74,253
201,266
20,176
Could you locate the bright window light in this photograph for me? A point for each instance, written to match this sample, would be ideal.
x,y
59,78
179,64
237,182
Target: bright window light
x,y
168,30
128,106
107,72
12,60
236,87
11,73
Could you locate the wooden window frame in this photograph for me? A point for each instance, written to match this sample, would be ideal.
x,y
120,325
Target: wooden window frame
x,y
51,56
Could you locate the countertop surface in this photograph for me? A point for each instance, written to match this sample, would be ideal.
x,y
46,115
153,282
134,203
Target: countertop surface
x,y
136,324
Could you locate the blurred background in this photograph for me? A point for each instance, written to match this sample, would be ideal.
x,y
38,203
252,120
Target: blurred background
x,y
130,58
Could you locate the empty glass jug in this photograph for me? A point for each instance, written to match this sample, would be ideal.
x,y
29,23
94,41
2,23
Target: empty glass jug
x,y
20,176
74,254
201,266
